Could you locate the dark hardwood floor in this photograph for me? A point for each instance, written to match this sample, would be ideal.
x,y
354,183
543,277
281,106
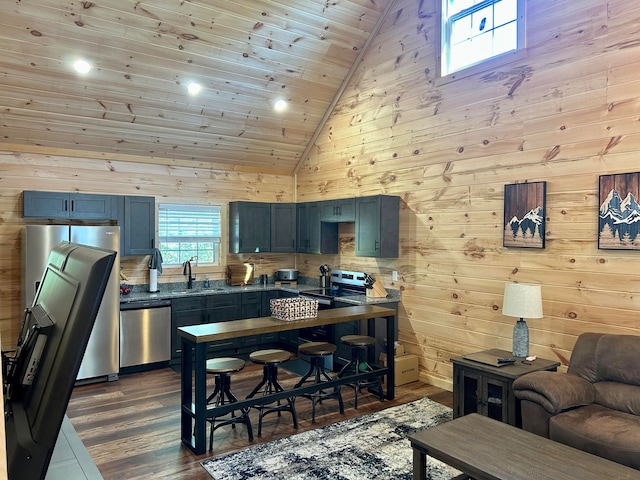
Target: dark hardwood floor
x,y
131,427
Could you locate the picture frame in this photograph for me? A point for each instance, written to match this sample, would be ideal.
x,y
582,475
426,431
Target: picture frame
x,y
619,212
524,215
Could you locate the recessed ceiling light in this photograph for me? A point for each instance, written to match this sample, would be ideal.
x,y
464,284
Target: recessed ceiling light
x,y
194,88
82,66
280,105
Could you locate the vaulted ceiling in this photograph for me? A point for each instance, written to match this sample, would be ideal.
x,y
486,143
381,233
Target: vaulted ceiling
x,y
246,54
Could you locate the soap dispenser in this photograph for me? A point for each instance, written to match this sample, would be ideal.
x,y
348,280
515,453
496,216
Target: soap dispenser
x,y
206,281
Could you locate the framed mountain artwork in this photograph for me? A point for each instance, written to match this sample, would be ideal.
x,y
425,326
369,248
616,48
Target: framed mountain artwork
x,y
619,216
524,215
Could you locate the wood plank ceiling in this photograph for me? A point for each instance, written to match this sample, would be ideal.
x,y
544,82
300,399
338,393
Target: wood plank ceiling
x,y
246,54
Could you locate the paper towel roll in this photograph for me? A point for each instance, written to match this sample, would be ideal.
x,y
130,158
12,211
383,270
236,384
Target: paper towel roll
x,y
153,280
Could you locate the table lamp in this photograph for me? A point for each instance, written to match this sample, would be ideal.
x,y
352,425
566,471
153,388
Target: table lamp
x,y
522,300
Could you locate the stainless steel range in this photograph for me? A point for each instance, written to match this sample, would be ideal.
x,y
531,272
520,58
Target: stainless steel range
x,y
342,283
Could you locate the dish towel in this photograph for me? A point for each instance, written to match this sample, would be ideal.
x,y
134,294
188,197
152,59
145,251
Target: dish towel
x,y
155,263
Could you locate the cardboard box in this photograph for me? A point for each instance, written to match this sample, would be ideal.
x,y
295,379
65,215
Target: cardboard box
x,y
406,368
399,351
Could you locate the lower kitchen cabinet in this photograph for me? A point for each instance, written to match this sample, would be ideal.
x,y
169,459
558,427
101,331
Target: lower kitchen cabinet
x,y
251,307
184,312
222,308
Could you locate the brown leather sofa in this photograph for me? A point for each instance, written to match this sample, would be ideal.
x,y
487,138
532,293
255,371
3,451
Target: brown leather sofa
x,y
595,406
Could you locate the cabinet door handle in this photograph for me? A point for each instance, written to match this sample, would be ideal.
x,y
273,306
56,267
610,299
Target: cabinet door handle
x,y
66,206
377,245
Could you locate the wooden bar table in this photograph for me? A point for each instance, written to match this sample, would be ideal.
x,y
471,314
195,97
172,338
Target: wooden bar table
x,y
194,408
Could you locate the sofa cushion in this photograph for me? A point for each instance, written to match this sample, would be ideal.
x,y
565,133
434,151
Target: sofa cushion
x,y
618,396
601,431
618,359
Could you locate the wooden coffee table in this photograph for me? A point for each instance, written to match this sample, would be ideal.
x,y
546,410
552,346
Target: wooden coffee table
x,y
486,449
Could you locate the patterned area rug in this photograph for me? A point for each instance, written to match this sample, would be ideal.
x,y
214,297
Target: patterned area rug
x,y
371,447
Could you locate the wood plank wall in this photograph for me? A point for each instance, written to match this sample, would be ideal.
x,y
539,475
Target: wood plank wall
x,y
168,181
565,114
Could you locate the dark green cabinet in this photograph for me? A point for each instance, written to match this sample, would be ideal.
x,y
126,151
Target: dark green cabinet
x,y
136,215
184,312
312,227
249,227
195,311
222,308
315,236
81,206
137,220
341,210
283,227
251,308
377,226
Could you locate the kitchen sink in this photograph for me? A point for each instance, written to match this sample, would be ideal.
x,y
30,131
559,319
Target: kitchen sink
x,y
197,290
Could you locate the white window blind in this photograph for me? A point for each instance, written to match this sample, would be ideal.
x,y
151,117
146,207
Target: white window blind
x,y
187,231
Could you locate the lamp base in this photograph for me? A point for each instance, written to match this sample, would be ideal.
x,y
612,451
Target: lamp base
x,y
520,339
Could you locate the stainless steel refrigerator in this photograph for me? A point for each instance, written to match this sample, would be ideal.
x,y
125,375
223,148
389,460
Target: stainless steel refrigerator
x,y
102,356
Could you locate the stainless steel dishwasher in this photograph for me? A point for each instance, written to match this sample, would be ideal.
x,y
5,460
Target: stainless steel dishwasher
x,y
145,332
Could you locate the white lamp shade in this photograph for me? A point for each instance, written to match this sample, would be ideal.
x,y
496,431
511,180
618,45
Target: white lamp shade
x,y
522,300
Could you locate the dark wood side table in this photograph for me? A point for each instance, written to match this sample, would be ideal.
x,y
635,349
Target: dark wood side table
x,y
487,389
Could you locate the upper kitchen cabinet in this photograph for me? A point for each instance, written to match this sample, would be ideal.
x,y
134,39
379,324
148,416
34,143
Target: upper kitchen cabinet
x,y
315,236
137,220
342,210
81,206
283,227
377,226
249,227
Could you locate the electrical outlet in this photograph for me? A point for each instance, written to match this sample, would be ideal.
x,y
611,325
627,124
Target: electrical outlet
x,y
394,276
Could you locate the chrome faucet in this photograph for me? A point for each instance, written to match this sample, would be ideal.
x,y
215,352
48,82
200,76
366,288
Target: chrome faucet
x,y
187,271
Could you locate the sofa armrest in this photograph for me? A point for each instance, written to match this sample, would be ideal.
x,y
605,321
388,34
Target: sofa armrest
x,y
554,391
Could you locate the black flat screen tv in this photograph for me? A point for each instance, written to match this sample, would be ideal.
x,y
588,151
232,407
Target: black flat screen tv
x,y
40,376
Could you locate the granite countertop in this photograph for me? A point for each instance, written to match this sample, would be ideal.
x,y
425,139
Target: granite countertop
x,y
173,291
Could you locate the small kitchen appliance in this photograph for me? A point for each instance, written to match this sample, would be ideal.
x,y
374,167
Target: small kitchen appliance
x,y
287,275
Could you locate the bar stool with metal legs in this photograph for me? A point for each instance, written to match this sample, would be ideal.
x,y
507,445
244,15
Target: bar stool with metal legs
x,y
223,368
270,359
358,364
317,353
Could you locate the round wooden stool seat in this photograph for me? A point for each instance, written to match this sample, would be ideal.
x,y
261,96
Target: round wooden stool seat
x,y
358,340
222,369
314,349
358,364
270,359
317,352
225,365
271,356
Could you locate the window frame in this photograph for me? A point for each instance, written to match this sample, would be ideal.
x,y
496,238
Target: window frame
x,y
488,63
222,252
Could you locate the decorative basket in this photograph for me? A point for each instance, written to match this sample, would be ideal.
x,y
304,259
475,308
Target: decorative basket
x,y
295,308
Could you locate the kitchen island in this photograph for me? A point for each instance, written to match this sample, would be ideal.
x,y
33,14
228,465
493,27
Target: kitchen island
x,y
194,408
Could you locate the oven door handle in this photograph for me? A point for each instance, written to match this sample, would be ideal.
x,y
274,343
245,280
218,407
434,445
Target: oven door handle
x,y
321,301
